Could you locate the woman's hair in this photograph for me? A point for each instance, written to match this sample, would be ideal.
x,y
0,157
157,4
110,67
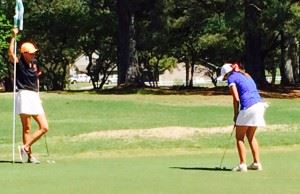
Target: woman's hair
x,y
237,67
245,73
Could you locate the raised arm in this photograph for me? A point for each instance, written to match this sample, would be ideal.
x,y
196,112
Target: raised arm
x,y
11,50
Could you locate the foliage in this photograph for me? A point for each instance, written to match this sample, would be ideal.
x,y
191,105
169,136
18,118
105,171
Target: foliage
x,y
274,25
195,32
98,36
5,29
57,41
65,29
200,34
165,63
292,25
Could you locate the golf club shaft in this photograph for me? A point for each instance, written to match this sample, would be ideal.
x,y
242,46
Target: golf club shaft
x,y
46,145
226,146
14,104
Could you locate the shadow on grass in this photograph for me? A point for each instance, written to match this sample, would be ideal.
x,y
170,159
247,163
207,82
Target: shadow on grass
x,y
9,162
271,91
180,90
202,168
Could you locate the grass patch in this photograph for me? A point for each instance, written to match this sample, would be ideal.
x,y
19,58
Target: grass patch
x,y
160,174
140,164
72,114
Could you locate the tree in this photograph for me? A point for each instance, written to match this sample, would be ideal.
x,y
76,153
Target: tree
x,y
253,42
268,33
98,36
128,67
144,37
153,40
200,34
124,14
5,31
289,34
57,41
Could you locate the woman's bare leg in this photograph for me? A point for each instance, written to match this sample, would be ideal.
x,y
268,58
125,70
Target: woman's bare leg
x,y
253,144
26,125
240,135
43,128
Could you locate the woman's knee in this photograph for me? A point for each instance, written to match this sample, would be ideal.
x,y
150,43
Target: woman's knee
x,y
251,133
239,137
44,129
43,123
26,129
240,133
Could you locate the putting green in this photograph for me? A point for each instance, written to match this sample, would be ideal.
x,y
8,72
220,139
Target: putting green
x,y
178,174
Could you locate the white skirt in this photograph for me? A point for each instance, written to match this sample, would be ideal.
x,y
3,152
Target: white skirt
x,y
28,102
252,116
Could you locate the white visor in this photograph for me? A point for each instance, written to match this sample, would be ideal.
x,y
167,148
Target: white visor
x,y
226,68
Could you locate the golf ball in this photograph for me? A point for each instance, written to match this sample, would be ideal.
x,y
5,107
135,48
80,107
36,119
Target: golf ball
x,y
50,161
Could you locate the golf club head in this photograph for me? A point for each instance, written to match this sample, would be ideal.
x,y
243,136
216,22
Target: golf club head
x,y
222,168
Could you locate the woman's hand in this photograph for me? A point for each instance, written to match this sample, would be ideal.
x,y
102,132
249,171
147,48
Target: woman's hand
x,y
11,50
235,118
15,32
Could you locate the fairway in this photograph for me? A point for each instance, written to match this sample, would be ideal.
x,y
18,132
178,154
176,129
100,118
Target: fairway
x,y
144,144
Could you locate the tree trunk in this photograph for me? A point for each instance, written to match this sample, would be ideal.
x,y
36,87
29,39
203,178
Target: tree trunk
x,y
288,66
123,12
192,74
156,73
284,80
133,76
273,73
289,72
253,57
294,54
187,72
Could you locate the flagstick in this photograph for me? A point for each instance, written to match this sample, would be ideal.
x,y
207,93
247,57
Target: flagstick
x,y
18,22
14,105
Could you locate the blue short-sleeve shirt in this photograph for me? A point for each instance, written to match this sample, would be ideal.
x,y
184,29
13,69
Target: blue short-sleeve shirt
x,y
246,88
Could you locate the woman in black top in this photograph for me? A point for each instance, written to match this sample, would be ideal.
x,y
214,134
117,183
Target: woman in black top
x,y
28,103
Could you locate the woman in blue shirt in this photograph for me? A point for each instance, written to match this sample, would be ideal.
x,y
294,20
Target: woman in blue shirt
x,y
248,114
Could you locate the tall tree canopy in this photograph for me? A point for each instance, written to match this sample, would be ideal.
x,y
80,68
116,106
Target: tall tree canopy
x,y
144,37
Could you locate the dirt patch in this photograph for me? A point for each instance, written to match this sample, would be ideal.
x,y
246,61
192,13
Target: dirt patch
x,y
165,132
168,132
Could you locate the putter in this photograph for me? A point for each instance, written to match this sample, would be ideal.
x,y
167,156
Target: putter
x,y
225,150
48,153
46,145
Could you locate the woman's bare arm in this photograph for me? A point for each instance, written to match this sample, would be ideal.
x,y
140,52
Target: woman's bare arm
x,y
236,101
11,50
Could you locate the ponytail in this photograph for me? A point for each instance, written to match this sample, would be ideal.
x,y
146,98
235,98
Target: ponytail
x,y
237,68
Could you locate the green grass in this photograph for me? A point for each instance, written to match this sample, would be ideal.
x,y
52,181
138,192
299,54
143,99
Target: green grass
x,y
77,113
141,165
160,174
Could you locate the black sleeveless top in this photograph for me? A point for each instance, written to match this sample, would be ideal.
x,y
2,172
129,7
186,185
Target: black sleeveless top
x,y
26,77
